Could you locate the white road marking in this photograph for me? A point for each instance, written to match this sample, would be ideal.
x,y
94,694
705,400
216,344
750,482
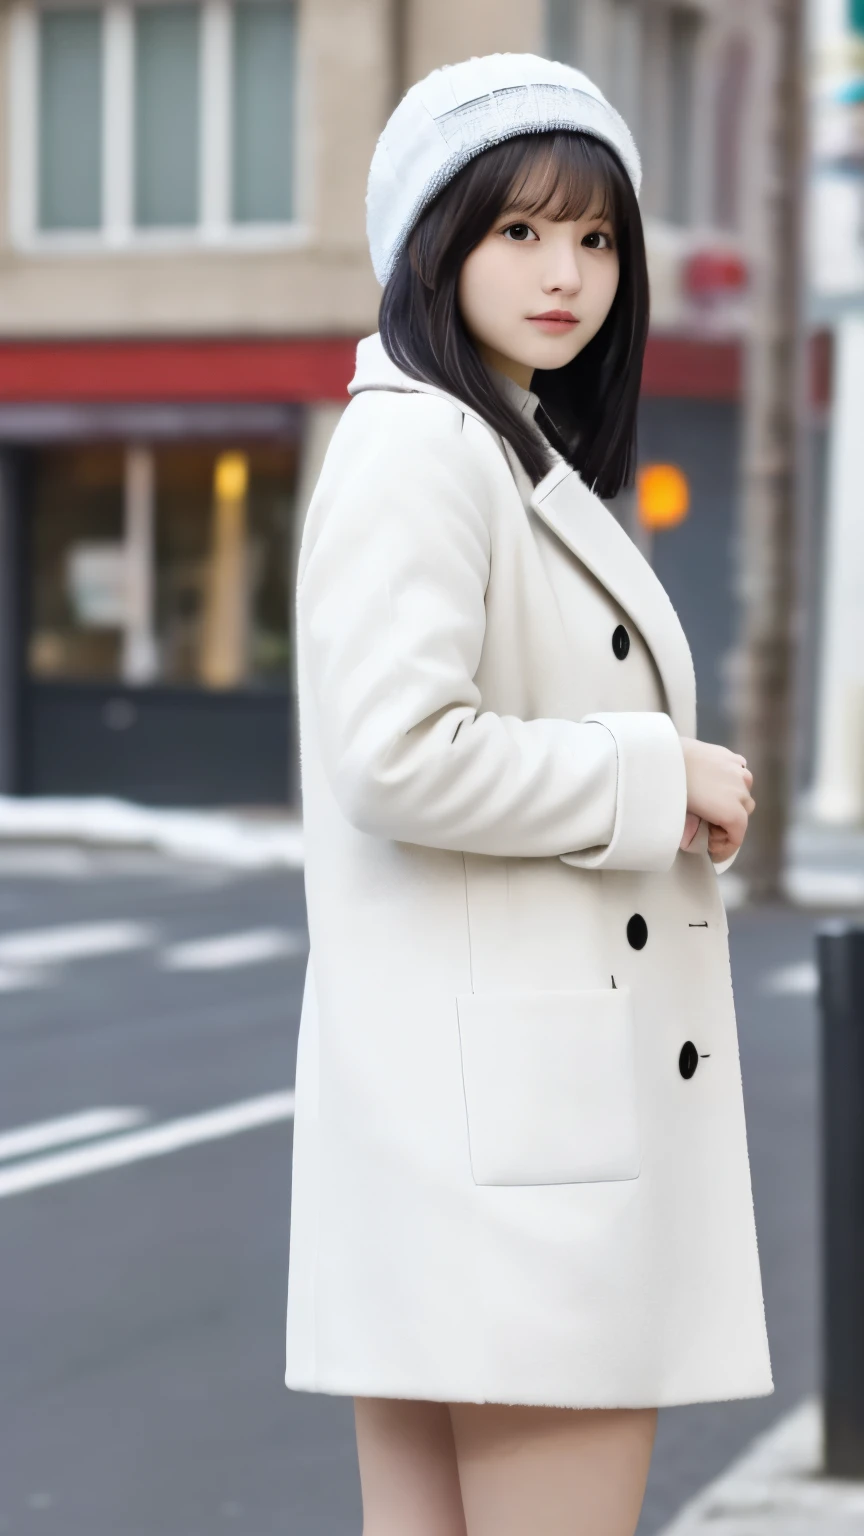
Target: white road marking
x,y
228,950
155,1141
18,981
798,980
43,863
79,941
84,1126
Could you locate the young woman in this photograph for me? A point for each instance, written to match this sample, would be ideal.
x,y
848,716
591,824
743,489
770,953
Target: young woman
x,y
522,1218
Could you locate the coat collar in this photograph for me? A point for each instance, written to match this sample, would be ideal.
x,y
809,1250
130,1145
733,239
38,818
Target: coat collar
x,y
589,530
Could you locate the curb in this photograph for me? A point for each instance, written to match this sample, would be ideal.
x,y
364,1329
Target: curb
x,y
776,1489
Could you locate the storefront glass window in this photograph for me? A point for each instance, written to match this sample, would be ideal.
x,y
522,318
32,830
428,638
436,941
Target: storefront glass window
x,y
166,566
76,550
223,526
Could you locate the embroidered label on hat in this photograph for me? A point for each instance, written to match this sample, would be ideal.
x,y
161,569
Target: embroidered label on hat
x,y
514,107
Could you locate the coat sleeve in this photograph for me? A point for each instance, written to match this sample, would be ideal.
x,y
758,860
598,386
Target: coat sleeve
x,y
391,622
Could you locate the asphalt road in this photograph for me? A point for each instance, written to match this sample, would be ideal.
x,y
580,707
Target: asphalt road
x,y
141,1342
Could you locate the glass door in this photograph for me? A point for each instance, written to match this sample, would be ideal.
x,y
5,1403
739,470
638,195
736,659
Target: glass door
x,y
158,649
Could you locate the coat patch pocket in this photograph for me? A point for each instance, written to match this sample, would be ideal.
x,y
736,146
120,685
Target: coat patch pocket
x,y
550,1086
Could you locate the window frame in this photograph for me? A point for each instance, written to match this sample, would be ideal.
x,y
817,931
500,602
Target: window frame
x,y
118,232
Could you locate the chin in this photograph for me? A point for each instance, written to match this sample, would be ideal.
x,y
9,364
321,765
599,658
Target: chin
x,y
549,361
555,355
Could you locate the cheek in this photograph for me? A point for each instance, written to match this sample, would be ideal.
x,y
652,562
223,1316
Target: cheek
x,y
479,289
603,293
469,290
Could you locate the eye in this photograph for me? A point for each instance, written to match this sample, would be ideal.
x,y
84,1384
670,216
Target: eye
x,y
520,232
597,234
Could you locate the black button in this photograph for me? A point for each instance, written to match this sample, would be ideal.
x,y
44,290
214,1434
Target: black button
x,y
688,1061
620,642
637,931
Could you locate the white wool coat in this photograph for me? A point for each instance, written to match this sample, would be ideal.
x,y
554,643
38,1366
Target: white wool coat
x,y
520,1167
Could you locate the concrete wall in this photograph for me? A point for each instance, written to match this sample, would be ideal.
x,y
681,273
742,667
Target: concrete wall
x,y
447,31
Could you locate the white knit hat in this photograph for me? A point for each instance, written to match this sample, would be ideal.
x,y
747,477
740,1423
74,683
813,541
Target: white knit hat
x,y
442,122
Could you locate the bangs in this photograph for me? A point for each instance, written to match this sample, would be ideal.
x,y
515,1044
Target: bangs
x,y
588,408
564,176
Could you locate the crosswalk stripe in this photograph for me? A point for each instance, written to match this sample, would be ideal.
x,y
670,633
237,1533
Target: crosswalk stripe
x,y
155,1141
59,1132
78,941
18,980
228,950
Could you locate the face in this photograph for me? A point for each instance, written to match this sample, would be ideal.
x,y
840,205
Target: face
x,y
534,292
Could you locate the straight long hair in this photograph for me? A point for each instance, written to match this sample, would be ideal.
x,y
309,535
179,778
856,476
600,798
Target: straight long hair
x,y
588,407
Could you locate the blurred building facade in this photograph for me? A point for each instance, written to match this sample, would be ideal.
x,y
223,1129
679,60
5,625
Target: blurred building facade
x,y
183,279
836,227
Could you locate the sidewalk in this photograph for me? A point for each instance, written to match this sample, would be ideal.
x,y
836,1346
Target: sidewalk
x,y
775,1489
233,839
826,865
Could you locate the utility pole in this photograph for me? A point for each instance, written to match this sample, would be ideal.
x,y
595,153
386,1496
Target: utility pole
x,y
775,416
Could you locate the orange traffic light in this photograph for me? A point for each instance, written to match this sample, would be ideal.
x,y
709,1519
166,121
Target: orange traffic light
x,y
663,495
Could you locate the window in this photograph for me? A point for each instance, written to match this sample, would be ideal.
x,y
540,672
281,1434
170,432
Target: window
x,y
627,62
684,31
149,119
730,105
562,30
167,108
263,110
175,576
70,102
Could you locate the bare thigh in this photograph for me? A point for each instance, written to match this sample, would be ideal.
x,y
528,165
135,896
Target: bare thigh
x,y
408,1474
552,1471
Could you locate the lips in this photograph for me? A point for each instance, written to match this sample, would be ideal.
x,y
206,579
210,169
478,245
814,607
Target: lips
x,y
554,322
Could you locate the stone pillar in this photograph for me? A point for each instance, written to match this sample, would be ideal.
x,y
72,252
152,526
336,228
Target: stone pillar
x,y
838,791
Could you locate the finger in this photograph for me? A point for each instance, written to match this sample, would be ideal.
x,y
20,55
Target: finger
x,y
737,827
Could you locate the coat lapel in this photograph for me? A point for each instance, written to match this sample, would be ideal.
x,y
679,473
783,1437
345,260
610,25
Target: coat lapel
x,y
590,531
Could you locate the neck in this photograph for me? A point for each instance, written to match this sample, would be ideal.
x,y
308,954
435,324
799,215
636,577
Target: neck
x,y
520,373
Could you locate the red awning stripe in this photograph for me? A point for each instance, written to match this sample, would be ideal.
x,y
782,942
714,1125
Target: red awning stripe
x,y
305,369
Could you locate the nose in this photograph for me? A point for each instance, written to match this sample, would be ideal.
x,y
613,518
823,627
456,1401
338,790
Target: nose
x,y
563,274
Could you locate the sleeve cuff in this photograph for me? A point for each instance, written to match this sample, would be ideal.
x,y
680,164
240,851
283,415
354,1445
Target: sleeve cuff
x,y
721,868
699,841
651,801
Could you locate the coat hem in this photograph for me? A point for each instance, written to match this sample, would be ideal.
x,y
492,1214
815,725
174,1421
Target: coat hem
x,y
344,1388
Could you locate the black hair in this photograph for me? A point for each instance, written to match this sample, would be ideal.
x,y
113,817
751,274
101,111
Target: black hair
x,y
588,407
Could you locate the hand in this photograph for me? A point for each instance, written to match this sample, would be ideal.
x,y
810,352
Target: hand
x,y
718,790
719,845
